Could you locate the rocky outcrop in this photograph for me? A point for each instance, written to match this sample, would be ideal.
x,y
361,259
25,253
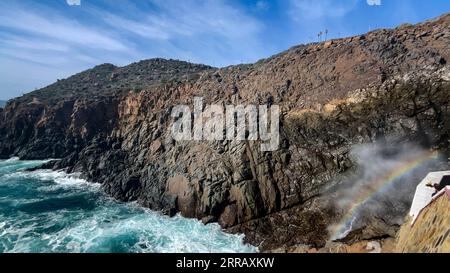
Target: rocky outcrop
x,y
113,125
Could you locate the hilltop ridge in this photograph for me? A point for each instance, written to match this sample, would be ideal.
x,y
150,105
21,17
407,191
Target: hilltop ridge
x,y
110,80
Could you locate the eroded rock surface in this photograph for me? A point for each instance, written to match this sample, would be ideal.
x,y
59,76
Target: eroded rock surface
x,y
113,125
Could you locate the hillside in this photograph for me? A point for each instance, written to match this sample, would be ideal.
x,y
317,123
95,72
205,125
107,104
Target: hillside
x,y
113,125
109,80
2,103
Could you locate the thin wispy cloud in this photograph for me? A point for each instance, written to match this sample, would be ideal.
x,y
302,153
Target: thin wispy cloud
x,y
73,2
57,27
54,39
313,9
41,34
151,29
189,18
262,5
19,42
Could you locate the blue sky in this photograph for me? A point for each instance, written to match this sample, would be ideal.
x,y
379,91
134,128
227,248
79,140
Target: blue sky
x,y
45,40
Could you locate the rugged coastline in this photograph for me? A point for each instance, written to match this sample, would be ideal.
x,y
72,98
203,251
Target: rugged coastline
x,y
112,125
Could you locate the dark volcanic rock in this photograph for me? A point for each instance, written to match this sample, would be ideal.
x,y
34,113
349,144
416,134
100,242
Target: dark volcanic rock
x,y
113,125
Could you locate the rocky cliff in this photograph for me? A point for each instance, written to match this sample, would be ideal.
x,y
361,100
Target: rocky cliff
x,y
113,125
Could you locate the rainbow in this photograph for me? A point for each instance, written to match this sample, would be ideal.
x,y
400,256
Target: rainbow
x,y
376,186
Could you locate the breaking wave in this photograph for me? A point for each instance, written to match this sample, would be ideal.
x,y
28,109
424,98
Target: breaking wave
x,y
51,211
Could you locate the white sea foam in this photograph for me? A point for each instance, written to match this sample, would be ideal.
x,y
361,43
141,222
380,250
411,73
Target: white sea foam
x,y
15,164
52,211
12,159
147,232
61,178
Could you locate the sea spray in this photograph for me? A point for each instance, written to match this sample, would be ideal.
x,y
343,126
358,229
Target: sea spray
x,y
383,170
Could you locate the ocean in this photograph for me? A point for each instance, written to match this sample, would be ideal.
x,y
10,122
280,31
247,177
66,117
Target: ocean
x,y
53,212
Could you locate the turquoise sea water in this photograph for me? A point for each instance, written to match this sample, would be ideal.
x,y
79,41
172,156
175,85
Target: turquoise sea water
x,y
48,211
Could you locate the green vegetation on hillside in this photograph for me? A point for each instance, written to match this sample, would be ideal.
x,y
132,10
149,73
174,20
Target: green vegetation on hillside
x,y
107,79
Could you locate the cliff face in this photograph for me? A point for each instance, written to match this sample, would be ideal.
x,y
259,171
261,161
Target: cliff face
x,y
113,125
66,116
